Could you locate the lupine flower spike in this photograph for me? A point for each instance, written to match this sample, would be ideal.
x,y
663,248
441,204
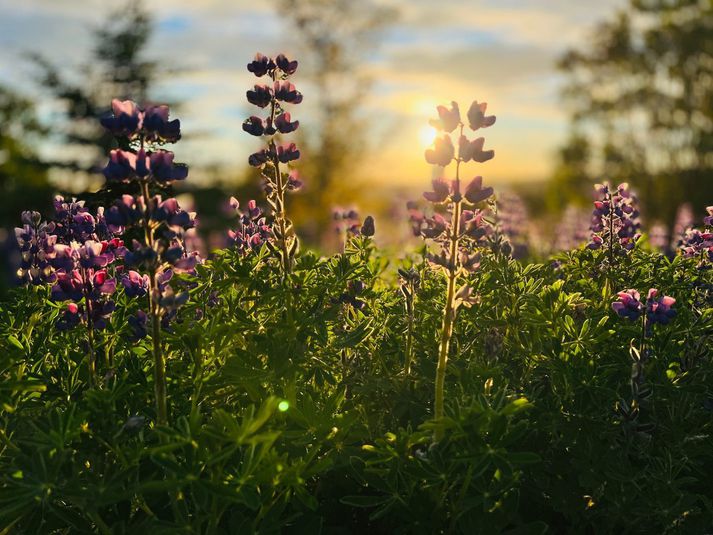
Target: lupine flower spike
x,y
656,310
162,251
461,229
274,159
615,223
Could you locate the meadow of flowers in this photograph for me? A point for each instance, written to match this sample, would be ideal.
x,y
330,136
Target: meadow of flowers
x,y
265,389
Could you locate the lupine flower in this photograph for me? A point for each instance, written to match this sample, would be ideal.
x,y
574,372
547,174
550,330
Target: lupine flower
x,y
287,153
126,118
123,213
37,249
261,65
448,119
708,220
615,220
158,127
285,65
129,121
347,222
283,124
628,305
276,181
473,150
659,309
286,92
475,192
135,284
124,166
477,118
170,212
70,318
260,95
253,125
368,228
251,231
442,152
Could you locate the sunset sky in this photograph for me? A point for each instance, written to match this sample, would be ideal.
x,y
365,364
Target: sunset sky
x,y
500,51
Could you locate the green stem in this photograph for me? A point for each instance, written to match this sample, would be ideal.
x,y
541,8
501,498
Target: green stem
x,y
155,313
449,311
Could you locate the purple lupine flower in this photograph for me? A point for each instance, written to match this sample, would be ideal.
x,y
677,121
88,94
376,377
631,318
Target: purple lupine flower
x,y
126,119
283,124
68,286
659,309
163,169
293,181
473,150
441,191
475,192
157,127
121,166
135,284
708,220
628,305
170,212
260,95
448,119
261,65
259,158
254,126
285,65
347,222
615,220
287,152
251,231
70,318
123,213
286,92
368,228
477,118
442,152
151,124
37,249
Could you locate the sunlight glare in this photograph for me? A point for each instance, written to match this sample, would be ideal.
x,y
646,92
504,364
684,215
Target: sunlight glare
x,y
427,135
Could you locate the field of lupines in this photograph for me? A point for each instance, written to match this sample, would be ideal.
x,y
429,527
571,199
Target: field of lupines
x,y
265,389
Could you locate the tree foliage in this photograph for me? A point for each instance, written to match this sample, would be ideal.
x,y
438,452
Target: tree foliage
x,y
642,92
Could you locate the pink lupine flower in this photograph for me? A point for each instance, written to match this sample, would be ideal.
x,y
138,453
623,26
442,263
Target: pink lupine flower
x,y
477,118
442,152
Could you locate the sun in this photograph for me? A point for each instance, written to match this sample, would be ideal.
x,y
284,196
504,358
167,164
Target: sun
x,y
427,135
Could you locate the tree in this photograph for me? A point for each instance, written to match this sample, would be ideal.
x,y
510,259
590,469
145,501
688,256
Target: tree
x,y
23,176
642,92
333,36
116,69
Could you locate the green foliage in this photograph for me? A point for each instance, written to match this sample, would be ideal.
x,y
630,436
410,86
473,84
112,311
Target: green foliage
x,y
301,418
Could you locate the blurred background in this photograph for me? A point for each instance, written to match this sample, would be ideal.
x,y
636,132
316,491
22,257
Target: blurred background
x,y
618,90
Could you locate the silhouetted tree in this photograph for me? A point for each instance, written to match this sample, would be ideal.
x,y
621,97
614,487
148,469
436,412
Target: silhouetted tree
x,y
23,176
642,93
116,69
334,38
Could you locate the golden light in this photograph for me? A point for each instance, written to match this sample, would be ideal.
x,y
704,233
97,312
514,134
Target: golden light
x,y
427,135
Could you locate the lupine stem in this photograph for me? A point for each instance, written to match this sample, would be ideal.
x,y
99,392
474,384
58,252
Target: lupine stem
x,y
154,311
280,217
90,333
449,308
409,328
